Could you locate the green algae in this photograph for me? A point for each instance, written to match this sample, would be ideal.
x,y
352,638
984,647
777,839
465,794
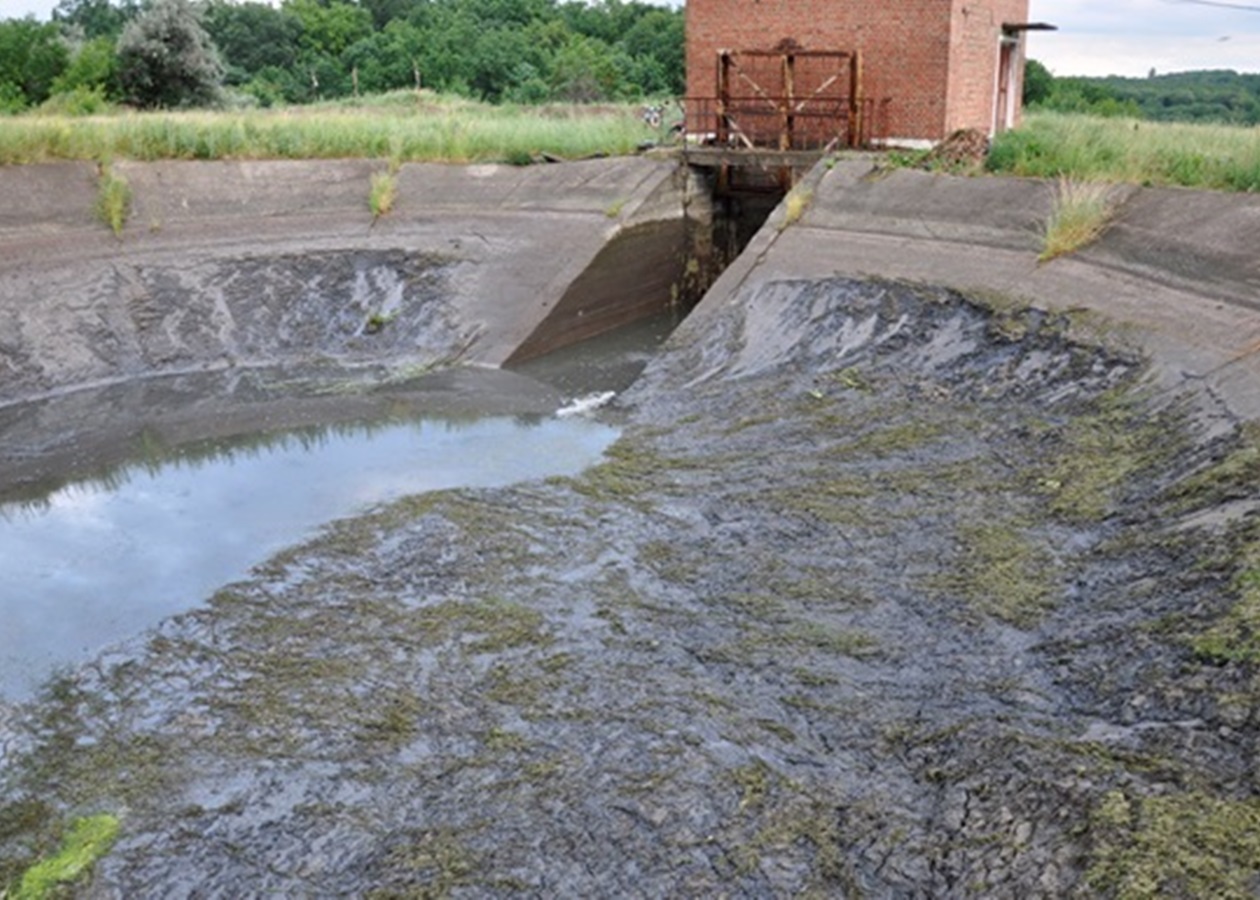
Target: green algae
x,y
85,842
1003,572
1232,477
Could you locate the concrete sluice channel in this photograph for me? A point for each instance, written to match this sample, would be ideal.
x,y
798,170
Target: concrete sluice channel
x,y
884,589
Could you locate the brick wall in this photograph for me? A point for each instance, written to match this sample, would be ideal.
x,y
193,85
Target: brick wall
x,y
976,41
934,62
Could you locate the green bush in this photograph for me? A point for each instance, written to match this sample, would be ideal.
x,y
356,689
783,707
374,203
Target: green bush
x,y
79,101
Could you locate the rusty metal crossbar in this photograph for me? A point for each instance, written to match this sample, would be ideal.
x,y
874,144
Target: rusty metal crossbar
x,y
750,123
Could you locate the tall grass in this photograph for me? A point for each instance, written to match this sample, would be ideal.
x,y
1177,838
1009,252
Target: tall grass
x,y
1085,148
403,126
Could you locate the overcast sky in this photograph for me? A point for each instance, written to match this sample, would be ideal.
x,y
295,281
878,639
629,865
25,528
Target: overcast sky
x,y
1095,37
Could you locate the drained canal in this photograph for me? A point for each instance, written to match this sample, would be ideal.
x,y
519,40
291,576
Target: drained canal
x,y
850,588
109,529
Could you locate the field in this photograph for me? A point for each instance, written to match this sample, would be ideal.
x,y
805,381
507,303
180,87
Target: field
x,y
402,126
1087,148
409,126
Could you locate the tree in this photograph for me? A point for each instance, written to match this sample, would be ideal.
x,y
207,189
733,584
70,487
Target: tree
x,y
93,66
655,42
32,55
95,18
252,37
166,59
328,28
1038,83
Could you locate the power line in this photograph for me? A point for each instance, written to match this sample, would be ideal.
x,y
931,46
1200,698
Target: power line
x,y
1248,7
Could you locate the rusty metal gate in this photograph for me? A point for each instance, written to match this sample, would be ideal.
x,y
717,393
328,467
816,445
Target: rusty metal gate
x,y
789,98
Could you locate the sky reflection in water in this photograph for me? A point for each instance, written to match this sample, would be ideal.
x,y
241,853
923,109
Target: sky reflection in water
x,y
98,561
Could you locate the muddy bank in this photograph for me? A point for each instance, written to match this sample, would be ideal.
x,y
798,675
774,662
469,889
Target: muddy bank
x,y
882,592
228,265
1176,273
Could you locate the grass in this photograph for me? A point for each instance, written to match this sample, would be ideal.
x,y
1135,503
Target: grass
x,y
113,200
403,126
1081,212
383,192
1087,148
795,205
87,841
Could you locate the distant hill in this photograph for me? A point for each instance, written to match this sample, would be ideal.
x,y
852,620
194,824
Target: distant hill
x,y
1214,95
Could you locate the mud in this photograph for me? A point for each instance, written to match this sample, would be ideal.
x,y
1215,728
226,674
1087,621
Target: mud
x,y
882,593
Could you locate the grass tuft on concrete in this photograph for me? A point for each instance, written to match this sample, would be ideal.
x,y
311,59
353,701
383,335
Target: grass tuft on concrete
x,y
383,193
1081,213
113,200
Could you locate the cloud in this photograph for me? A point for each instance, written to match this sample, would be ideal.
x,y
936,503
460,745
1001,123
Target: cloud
x,y
1130,37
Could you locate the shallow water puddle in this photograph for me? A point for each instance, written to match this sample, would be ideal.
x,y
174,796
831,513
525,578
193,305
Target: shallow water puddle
x,y
97,561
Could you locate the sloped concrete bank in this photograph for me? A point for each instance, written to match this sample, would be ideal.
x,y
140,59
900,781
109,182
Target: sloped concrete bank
x,y
226,264
1177,272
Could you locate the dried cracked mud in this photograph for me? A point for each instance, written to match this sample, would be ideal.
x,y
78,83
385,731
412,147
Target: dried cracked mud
x,y
883,592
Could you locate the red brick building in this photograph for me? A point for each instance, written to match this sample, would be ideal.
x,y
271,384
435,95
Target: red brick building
x,y
927,67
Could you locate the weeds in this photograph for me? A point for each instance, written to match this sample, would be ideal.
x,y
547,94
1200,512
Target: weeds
x,y
1081,147
1081,213
383,192
113,200
399,126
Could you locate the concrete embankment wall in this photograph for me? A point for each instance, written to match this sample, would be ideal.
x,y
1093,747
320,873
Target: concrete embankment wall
x,y
1178,272
255,263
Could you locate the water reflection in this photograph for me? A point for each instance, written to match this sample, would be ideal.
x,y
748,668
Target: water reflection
x,y
92,561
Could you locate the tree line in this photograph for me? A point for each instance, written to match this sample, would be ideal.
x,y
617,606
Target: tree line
x,y
1202,96
179,53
